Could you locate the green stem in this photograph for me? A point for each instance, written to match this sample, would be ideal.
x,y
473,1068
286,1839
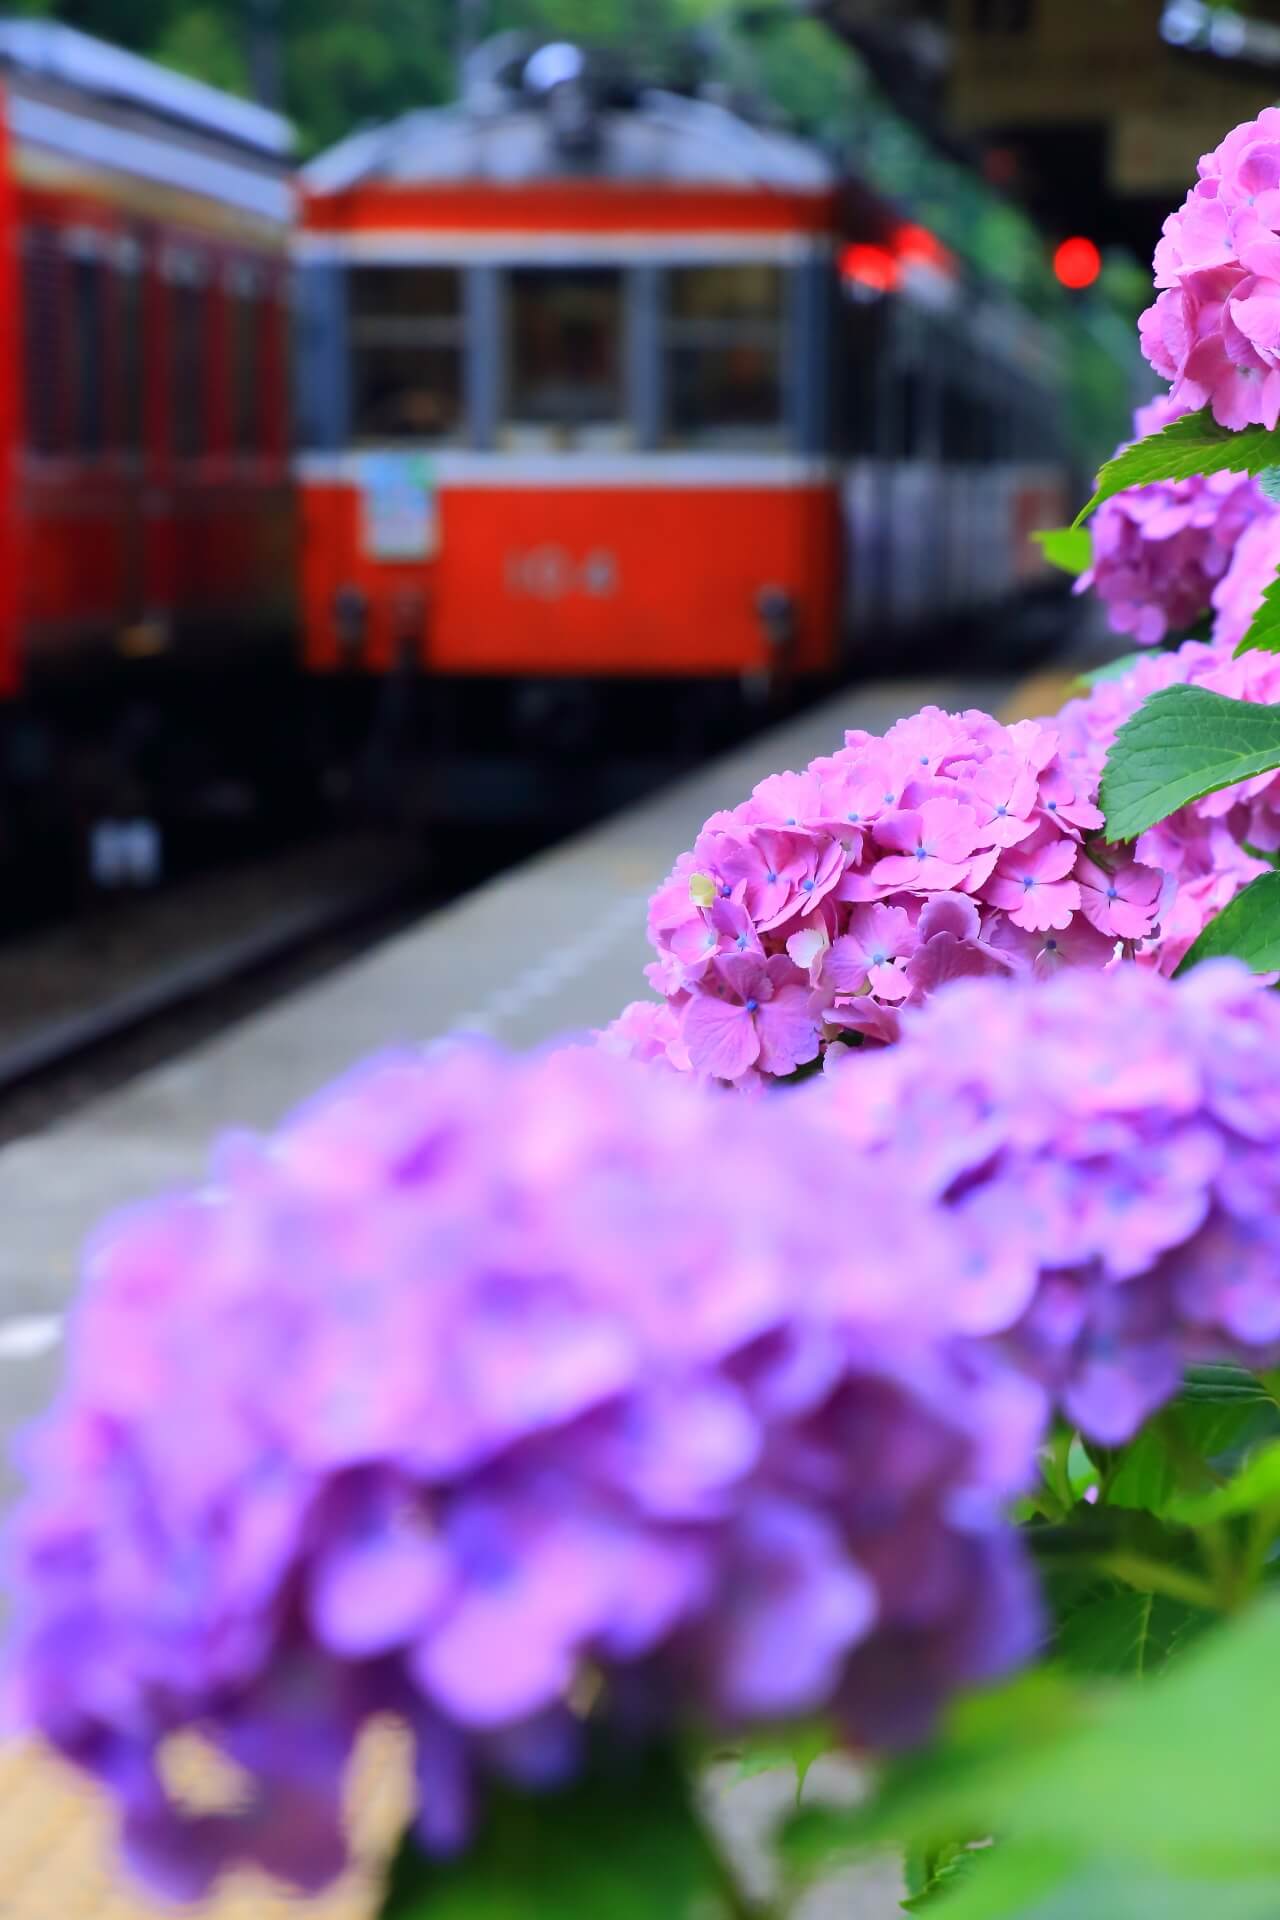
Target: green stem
x,y
1154,1576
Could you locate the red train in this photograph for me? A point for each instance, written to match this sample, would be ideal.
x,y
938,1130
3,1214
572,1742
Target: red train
x,y
146,508
611,405
607,391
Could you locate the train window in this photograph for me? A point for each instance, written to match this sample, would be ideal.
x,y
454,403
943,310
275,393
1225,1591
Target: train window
x,y
406,352
245,324
565,350
132,309
88,332
41,310
724,355
188,359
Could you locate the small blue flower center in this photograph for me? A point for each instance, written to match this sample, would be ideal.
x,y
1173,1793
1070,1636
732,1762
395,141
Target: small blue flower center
x,y
807,886
1002,812
742,943
854,817
1028,882
1051,806
771,879
1113,893
752,1006
725,892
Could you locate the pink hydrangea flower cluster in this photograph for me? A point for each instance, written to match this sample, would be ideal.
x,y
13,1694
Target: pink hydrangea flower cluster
x,y
1105,1157
480,1380
1214,330
1203,846
833,898
1160,552
1238,595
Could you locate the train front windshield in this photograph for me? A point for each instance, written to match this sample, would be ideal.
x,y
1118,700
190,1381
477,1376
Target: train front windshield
x,y
565,352
575,357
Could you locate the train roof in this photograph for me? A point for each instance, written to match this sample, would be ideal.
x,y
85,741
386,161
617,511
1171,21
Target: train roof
x,y
516,136
43,49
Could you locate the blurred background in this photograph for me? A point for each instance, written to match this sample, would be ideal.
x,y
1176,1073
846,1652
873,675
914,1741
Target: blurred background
x,y
428,425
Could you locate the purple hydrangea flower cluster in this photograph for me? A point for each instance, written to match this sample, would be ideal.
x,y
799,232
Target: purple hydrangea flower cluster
x,y
1202,847
485,1394
1214,330
1105,1158
1160,552
832,898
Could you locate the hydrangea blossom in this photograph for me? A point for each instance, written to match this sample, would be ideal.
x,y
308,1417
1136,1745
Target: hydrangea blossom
x,y
479,1381
1202,847
833,898
1238,595
1105,1159
1160,551
1214,330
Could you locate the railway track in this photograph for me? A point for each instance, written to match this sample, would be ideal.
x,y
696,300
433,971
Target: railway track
x,y
85,1004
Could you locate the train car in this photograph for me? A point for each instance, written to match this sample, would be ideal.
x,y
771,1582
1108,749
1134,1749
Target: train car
x,y
146,513
610,398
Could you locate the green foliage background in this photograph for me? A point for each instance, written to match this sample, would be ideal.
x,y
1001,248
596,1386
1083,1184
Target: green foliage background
x,y
344,63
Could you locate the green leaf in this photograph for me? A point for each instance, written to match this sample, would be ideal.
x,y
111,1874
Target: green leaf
x,y
946,1868
949,1787
623,1842
1182,743
1221,1412
1264,628
792,1747
1023,1882
1248,927
1068,548
1195,444
1173,1776
1116,1631
1256,1485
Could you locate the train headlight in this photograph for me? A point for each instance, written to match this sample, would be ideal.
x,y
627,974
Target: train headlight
x,y
350,623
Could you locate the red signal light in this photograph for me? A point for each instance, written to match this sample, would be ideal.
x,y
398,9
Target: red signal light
x,y
871,267
918,247
1077,263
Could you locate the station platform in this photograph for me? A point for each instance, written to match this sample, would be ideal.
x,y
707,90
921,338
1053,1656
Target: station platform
x,y
556,945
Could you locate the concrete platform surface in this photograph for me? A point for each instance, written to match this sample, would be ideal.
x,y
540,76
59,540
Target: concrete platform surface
x,y
555,945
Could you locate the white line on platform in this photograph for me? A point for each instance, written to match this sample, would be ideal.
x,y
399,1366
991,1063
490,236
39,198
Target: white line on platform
x,y
30,1335
557,968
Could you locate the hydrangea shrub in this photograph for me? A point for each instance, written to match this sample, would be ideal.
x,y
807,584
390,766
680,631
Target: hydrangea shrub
x,y
594,1423
831,899
521,1432
1163,554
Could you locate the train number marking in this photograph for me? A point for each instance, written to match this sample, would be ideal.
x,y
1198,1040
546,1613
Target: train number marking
x,y
552,573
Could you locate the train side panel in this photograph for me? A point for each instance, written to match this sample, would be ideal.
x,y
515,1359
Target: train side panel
x,y
149,327
10,412
664,578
